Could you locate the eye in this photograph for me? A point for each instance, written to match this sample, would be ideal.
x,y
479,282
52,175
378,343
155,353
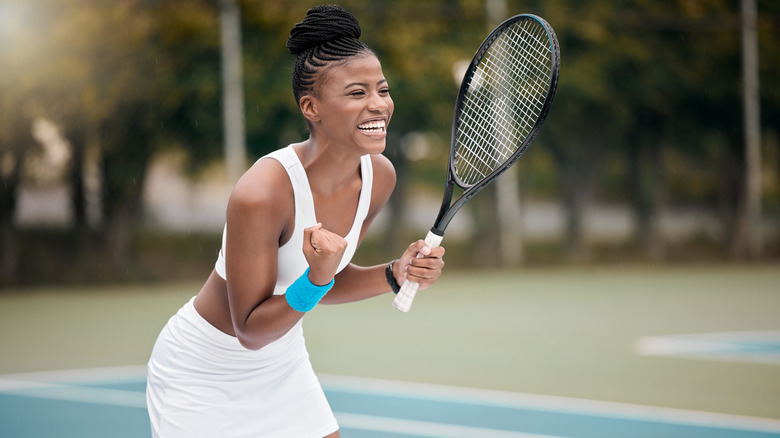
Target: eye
x,y
357,93
384,91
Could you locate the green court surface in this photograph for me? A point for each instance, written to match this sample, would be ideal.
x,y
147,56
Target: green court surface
x,y
579,333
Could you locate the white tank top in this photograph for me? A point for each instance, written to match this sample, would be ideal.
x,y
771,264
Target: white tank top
x,y
291,262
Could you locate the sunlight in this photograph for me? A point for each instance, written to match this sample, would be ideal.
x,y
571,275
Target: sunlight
x,y
11,13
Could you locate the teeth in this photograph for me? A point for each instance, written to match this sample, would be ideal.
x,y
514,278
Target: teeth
x,y
373,125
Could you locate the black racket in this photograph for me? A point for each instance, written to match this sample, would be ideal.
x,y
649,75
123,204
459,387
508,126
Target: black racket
x,y
503,101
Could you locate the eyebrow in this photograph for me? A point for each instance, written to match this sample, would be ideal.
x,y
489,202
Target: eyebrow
x,y
363,84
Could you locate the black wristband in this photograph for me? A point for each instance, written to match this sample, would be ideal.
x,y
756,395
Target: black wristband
x,y
391,278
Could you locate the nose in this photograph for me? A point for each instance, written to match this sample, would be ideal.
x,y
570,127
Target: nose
x,y
377,103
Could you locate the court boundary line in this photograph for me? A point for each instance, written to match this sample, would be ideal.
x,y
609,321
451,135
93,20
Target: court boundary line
x,y
114,374
74,393
548,403
734,346
400,426
45,384
59,385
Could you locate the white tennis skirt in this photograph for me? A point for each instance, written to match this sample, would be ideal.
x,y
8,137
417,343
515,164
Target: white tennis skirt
x,y
204,383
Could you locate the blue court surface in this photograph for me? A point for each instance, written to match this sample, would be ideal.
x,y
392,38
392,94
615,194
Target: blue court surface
x,y
110,402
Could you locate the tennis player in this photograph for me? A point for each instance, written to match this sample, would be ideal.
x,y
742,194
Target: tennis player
x,y
232,362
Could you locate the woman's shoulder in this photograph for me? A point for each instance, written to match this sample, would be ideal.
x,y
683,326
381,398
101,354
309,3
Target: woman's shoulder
x,y
384,172
265,184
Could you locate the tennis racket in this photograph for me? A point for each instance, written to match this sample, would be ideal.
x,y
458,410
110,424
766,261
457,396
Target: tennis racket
x,y
503,101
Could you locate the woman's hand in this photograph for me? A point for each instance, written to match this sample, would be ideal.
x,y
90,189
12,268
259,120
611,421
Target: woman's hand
x,y
323,251
424,270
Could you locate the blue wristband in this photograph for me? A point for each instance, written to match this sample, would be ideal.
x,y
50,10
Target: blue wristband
x,y
303,295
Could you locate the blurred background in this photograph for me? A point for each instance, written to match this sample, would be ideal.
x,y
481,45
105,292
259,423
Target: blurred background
x,y
645,215
124,124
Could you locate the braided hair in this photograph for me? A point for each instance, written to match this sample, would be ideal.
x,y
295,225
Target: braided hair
x,y
327,35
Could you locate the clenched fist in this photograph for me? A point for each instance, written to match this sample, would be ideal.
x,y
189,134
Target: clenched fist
x,y
323,251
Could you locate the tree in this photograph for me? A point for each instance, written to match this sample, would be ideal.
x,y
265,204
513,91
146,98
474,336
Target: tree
x,y
23,50
123,80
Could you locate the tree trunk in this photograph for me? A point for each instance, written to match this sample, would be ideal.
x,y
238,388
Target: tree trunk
x,y
577,167
575,195
75,134
731,199
485,236
14,145
646,194
747,241
9,183
510,218
233,88
125,159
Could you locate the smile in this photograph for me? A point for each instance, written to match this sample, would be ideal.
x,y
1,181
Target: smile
x,y
373,127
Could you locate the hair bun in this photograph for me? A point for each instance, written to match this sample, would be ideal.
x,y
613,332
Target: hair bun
x,y
322,24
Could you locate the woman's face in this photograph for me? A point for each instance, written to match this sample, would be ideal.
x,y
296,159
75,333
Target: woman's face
x,y
354,105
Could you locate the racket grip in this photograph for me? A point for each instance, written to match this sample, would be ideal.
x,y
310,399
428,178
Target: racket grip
x,y
403,300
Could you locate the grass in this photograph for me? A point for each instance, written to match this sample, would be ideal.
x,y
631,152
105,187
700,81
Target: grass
x,y
568,332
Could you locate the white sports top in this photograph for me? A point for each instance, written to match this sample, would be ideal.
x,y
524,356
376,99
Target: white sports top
x,y
291,261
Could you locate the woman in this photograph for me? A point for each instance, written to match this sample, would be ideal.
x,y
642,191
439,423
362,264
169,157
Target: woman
x,y
232,362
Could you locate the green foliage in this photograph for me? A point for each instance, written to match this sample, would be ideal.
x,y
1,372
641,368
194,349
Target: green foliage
x,y
638,70
642,83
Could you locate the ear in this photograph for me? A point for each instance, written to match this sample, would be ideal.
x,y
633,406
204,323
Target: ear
x,y
309,108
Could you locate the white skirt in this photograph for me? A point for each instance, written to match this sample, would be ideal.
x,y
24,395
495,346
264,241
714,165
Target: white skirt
x,y
204,383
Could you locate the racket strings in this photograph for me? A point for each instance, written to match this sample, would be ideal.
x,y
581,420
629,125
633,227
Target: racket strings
x,y
503,100
502,63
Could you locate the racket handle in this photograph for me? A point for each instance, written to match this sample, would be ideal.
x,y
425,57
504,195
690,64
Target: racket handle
x,y
403,300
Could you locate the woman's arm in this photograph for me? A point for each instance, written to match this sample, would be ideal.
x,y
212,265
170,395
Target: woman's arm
x,y
260,216
356,283
256,221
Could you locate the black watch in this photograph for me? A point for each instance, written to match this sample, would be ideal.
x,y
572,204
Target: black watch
x,y
391,278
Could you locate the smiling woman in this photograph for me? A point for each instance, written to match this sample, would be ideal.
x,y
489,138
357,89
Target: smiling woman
x,y
352,112
233,360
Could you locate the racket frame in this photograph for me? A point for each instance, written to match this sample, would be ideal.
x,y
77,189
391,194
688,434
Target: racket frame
x,y
405,297
447,211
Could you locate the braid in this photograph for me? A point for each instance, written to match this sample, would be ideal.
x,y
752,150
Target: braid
x,y
327,35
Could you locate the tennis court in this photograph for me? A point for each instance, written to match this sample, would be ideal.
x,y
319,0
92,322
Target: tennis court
x,y
601,352
110,402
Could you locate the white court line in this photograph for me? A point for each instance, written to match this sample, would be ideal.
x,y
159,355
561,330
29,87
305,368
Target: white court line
x,y
54,385
759,347
82,394
57,385
132,373
424,428
547,403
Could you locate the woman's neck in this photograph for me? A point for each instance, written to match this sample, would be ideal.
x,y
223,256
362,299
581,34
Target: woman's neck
x,y
329,167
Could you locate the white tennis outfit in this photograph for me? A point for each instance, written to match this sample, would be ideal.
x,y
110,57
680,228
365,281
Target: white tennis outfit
x,y
203,383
